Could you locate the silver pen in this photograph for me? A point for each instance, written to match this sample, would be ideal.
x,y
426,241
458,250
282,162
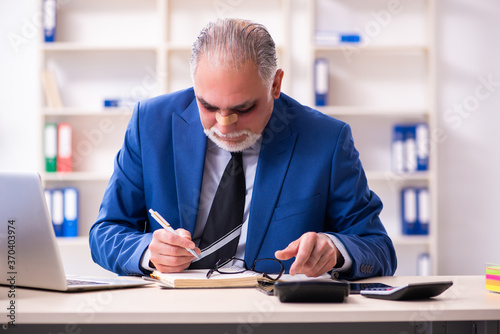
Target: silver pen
x,y
169,228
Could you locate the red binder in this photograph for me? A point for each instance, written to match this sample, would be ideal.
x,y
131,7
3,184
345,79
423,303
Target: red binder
x,y
64,147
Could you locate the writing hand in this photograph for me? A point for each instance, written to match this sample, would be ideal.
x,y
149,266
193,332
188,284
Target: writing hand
x,y
168,250
315,254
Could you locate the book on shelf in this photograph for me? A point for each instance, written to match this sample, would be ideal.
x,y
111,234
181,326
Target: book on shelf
x,y
52,94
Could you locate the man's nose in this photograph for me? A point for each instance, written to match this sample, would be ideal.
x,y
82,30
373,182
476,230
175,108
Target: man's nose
x,y
226,119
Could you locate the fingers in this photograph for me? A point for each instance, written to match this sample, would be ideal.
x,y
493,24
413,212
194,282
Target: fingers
x,y
289,252
315,254
304,260
183,239
168,250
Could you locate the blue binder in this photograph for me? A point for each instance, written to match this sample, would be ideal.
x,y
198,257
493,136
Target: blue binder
x,y
423,146
398,148
423,211
49,20
321,79
58,211
410,147
70,225
409,210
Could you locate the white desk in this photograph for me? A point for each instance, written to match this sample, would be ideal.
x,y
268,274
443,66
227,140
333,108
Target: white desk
x,y
250,311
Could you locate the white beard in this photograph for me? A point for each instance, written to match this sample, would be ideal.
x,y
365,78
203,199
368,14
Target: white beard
x,y
214,134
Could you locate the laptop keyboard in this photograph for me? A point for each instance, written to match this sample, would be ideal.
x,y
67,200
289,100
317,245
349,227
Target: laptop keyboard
x,y
72,282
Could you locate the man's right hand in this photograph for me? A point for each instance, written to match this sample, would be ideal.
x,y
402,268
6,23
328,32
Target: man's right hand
x,y
168,251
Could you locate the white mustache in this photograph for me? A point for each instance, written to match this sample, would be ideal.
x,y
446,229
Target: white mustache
x,y
233,134
218,138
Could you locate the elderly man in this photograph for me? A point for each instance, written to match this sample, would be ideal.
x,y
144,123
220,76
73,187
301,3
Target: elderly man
x,y
239,170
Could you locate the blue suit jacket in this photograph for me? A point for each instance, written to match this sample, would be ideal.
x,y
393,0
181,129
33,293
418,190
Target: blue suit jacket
x,y
308,178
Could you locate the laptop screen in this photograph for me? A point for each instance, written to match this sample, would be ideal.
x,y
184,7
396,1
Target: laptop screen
x,y
26,233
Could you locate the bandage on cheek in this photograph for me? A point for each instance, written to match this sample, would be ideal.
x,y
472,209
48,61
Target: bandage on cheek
x,y
226,120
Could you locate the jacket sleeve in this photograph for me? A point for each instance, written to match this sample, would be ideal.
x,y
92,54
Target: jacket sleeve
x,y
117,239
353,214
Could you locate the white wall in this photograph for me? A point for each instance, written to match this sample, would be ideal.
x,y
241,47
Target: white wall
x,y
19,146
469,157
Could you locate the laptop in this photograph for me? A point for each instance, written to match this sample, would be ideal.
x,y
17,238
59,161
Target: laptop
x,y
30,252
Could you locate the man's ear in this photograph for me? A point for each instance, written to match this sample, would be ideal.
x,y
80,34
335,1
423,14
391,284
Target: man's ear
x,y
276,88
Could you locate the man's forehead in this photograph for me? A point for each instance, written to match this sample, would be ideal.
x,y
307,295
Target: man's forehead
x,y
226,87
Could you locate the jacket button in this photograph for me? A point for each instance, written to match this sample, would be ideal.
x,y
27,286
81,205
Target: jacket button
x,y
335,274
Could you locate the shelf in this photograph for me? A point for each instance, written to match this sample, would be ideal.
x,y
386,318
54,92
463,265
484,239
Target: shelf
x,y
86,78
392,49
386,79
76,176
74,46
77,112
138,49
73,241
182,47
397,177
373,111
410,240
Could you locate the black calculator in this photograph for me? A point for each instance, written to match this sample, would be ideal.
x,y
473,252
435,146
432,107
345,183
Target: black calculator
x,y
410,291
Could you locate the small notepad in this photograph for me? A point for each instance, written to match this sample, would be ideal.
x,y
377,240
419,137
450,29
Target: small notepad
x,y
197,278
493,277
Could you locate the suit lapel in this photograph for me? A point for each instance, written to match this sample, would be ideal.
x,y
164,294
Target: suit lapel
x,y
276,151
189,142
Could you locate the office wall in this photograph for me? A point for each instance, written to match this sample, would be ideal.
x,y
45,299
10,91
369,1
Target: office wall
x,y
468,102
469,157
18,87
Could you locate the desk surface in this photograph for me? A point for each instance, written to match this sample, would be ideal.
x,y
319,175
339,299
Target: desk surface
x,y
467,299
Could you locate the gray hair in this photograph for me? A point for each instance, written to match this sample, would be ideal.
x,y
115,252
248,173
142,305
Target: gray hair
x,y
233,42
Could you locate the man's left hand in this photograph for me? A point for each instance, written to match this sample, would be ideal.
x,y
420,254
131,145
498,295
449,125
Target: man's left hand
x,y
315,254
